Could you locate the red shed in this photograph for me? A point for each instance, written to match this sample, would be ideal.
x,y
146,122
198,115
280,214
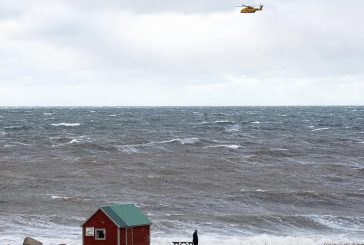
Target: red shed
x,y
117,225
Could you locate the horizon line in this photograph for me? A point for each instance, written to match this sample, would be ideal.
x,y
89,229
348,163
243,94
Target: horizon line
x,y
150,106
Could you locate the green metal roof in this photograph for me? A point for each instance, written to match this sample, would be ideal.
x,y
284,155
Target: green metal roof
x,y
127,215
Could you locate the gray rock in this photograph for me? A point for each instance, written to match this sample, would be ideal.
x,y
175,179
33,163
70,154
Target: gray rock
x,y
31,241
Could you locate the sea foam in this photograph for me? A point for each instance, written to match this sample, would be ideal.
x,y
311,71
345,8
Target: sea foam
x,y
51,238
255,240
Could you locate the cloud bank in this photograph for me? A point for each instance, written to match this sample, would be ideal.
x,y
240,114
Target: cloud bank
x,y
180,53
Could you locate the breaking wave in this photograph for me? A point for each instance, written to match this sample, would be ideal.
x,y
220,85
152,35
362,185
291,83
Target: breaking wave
x,y
235,147
184,141
66,124
58,197
74,141
319,129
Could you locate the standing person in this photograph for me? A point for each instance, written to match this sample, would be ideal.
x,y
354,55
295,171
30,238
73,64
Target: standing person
x,y
195,238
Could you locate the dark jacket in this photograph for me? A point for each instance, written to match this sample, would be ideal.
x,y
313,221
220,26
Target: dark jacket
x,y
195,238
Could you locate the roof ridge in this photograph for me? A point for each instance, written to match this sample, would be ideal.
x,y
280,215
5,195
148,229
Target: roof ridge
x,y
114,205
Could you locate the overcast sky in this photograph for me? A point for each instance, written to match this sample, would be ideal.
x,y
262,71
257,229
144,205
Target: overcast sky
x,y
191,52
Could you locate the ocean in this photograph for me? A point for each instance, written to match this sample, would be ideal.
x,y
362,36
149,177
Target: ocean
x,y
239,175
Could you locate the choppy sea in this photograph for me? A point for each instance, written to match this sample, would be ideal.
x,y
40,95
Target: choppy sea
x,y
239,175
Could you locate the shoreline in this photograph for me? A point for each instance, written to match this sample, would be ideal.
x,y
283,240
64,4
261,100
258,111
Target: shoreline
x,y
205,239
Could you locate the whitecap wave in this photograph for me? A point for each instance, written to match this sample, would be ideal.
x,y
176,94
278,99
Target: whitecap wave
x,y
258,190
338,223
235,147
58,197
218,122
74,141
183,141
66,124
278,149
14,127
319,129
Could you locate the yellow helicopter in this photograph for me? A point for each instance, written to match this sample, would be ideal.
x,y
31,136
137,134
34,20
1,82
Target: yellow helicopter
x,y
249,9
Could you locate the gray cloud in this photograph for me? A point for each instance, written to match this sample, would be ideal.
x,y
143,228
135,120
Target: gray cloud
x,y
183,48
188,7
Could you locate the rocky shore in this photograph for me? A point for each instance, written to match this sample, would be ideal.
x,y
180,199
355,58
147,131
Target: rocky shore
x,y
32,241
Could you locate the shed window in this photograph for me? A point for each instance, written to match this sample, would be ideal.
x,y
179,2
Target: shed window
x,y
100,234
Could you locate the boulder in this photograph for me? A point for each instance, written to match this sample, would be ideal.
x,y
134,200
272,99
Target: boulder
x,y
31,241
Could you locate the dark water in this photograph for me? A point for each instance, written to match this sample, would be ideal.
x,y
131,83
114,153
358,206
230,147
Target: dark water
x,y
231,172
